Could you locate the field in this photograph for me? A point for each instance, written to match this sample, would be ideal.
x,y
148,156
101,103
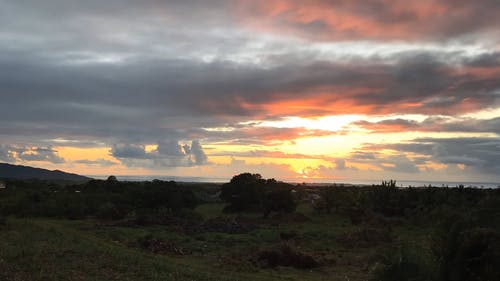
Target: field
x,y
47,249
208,243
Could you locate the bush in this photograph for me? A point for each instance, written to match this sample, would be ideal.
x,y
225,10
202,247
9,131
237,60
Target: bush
x,y
285,255
365,237
109,211
3,221
279,201
188,214
477,256
401,264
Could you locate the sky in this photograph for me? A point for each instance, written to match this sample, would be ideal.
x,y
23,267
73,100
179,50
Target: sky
x,y
330,90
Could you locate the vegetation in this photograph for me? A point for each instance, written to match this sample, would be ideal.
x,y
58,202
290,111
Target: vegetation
x,y
259,229
250,192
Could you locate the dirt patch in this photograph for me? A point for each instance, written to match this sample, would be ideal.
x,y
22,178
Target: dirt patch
x,y
159,246
224,225
284,255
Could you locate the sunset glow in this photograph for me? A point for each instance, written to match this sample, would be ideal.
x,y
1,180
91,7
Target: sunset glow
x,y
295,90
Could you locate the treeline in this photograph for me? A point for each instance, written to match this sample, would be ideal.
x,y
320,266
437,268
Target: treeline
x,y
105,199
463,223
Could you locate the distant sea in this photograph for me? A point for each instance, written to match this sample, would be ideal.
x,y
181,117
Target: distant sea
x,y
400,183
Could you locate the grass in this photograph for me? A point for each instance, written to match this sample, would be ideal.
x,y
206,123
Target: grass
x,y
43,249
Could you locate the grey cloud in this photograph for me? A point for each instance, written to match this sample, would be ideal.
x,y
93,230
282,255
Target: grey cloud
x,y
377,19
129,151
11,153
482,154
172,148
168,154
98,73
362,155
6,154
98,162
400,164
134,101
485,60
434,124
41,154
199,156
340,164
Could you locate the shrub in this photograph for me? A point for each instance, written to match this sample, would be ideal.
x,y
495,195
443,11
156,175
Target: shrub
x,y
279,201
477,256
285,255
109,211
403,263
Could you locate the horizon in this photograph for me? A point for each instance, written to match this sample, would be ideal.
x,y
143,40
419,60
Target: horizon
x,y
308,181
321,90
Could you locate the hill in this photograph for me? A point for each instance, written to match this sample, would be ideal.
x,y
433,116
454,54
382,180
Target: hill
x,y
9,171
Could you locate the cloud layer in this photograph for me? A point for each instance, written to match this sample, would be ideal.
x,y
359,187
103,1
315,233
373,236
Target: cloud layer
x,y
193,84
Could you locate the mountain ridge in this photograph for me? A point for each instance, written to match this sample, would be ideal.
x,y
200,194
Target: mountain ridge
x,y
10,171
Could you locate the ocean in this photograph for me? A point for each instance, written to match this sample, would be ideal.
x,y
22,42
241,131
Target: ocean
x,y
399,183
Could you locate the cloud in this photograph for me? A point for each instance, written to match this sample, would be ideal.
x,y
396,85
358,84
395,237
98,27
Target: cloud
x,y
198,155
12,153
40,154
172,148
98,162
432,124
480,154
399,163
211,70
389,125
169,153
6,153
256,134
129,151
147,100
373,20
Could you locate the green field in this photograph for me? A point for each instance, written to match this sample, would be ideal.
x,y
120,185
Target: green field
x,y
48,249
109,230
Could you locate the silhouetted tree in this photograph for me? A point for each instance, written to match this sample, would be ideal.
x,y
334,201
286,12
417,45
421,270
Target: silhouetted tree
x,y
244,192
112,179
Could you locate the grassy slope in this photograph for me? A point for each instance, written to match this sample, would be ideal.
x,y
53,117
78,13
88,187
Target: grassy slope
x,y
40,249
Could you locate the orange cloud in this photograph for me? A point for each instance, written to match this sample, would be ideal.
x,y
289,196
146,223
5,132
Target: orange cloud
x,y
376,19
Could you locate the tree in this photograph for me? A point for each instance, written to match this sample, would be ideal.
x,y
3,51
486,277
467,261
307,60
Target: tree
x,y
279,200
244,192
247,192
112,179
